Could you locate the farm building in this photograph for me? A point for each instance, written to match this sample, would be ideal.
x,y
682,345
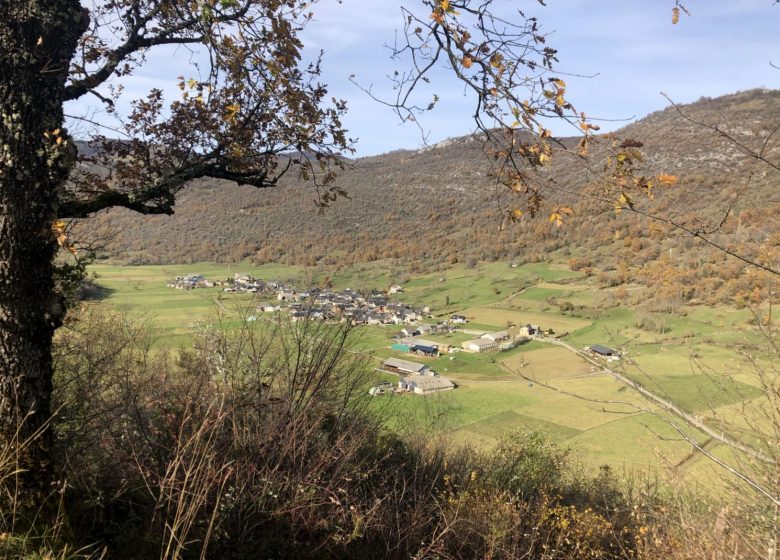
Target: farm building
x,y
431,351
602,350
400,347
404,367
425,384
442,347
458,318
479,345
496,336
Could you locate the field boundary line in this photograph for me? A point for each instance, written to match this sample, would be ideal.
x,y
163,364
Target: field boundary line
x,y
667,405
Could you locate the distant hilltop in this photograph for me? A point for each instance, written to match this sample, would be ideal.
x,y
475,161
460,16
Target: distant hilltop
x,y
438,205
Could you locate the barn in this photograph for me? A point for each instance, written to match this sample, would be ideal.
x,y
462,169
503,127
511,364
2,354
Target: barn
x,y
602,350
405,367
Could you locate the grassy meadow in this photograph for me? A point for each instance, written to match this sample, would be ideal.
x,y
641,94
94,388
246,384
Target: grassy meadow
x,y
534,387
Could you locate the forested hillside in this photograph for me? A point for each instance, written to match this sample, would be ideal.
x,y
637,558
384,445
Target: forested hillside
x,y
439,205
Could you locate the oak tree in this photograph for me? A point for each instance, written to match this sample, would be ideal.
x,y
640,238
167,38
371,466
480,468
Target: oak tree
x,y
249,111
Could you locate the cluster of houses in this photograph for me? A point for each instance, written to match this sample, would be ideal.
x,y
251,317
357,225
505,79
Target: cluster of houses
x,y
189,282
371,308
415,378
249,284
359,308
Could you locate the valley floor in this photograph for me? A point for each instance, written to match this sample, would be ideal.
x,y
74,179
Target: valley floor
x,y
695,359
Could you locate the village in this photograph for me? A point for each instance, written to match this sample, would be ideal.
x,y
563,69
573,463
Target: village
x,y
374,307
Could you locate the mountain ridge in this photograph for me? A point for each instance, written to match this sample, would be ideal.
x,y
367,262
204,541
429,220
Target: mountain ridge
x,y
438,205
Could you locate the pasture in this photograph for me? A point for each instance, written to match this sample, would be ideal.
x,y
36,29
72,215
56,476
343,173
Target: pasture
x,y
533,387
501,318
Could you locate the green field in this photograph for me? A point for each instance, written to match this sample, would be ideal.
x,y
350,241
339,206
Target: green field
x,y
689,363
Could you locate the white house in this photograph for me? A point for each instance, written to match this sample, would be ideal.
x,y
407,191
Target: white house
x,y
529,330
396,288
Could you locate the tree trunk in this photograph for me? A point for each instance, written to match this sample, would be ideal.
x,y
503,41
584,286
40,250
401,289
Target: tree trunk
x,y
37,41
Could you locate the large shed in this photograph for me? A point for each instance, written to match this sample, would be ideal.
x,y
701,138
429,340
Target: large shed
x,y
405,367
479,345
602,350
425,384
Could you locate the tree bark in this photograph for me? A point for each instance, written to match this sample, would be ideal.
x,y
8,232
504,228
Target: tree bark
x,y
37,41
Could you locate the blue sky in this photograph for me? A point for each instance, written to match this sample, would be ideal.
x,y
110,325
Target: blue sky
x,y
629,45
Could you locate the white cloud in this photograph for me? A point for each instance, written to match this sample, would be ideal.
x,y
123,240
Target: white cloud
x,y
632,45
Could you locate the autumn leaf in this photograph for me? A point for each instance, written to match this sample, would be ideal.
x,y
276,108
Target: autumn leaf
x,y
445,7
232,111
675,15
58,227
586,126
668,180
582,149
557,215
466,61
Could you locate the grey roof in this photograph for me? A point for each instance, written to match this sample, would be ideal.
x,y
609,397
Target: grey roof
x,y
421,341
429,383
495,335
481,342
405,365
